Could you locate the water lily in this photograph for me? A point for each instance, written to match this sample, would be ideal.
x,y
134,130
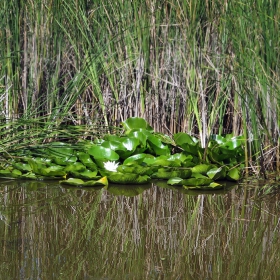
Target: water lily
x,y
111,166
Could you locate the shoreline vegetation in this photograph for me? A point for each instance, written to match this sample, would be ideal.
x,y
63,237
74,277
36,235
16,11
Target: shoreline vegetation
x,y
78,69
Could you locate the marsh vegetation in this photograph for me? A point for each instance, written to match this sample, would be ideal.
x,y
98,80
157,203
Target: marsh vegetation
x,y
72,69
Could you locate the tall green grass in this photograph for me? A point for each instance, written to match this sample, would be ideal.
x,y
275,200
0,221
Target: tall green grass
x,y
191,66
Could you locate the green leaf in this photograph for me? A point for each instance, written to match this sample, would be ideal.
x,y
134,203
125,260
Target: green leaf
x,y
175,181
10,173
24,167
99,152
233,174
122,178
217,173
75,167
45,168
79,182
141,135
135,169
199,181
202,168
86,174
167,173
138,158
136,123
157,146
86,160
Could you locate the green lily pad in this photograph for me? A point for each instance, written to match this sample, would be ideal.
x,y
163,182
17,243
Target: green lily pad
x,y
75,167
199,181
157,146
135,169
10,173
136,123
202,168
138,158
233,174
79,182
99,152
86,174
24,167
167,173
86,160
217,173
122,178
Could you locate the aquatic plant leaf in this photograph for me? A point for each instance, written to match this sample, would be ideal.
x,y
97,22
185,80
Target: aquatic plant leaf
x,y
64,160
217,173
113,145
181,138
122,178
135,169
233,174
157,146
99,152
86,174
175,181
202,168
136,123
141,135
138,158
54,170
86,160
101,182
180,156
24,167
128,146
10,173
75,167
162,161
79,182
167,173
199,181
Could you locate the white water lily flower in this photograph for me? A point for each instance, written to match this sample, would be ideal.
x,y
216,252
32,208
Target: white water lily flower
x,y
111,166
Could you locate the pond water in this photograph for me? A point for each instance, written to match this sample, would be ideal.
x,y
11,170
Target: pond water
x,y
51,232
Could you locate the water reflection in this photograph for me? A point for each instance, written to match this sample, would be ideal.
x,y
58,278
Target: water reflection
x,y
51,232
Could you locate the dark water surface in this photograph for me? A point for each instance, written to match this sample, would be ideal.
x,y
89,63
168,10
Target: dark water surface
x,y
51,232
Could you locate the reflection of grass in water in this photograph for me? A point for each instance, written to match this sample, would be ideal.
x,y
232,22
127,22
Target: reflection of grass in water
x,y
80,234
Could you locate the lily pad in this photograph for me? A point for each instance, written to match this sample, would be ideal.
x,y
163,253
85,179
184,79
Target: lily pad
x,y
99,152
79,182
122,178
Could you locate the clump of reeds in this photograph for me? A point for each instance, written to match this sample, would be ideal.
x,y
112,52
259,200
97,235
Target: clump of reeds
x,y
191,66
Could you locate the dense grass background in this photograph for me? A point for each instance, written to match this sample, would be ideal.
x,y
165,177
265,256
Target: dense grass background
x,y
197,66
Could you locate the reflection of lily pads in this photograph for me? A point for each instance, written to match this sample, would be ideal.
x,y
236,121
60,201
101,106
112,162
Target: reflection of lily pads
x,y
211,186
128,190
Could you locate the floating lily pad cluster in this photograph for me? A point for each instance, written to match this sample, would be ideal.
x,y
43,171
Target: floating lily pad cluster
x,y
136,157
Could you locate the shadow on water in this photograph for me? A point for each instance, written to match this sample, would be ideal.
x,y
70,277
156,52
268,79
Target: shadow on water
x,y
153,232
